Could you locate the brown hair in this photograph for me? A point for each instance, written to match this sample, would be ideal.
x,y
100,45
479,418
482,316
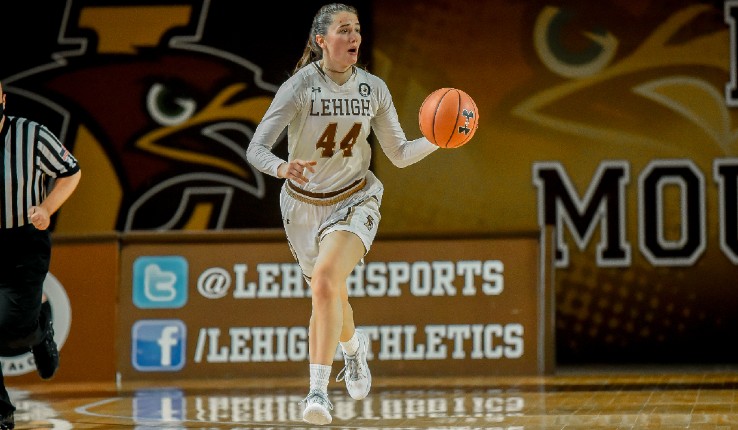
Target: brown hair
x,y
321,22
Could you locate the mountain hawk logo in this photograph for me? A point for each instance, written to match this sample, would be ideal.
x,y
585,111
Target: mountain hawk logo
x,y
369,224
159,122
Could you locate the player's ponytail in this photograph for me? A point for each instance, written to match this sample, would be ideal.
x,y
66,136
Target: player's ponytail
x,y
311,53
321,22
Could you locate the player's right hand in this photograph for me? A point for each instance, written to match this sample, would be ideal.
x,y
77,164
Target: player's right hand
x,y
295,170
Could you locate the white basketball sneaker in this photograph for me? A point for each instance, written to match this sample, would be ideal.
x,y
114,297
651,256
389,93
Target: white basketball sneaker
x,y
317,408
356,372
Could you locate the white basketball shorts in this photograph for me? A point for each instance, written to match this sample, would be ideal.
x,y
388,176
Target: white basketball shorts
x,y
308,218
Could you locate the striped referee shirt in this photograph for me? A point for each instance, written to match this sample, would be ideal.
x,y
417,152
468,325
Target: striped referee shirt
x,y
31,156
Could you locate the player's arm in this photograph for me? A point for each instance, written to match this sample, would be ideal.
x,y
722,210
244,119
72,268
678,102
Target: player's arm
x,y
280,113
392,139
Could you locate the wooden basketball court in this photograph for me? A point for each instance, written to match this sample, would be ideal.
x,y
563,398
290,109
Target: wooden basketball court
x,y
654,398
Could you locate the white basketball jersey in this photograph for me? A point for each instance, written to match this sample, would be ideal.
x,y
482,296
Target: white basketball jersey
x,y
330,124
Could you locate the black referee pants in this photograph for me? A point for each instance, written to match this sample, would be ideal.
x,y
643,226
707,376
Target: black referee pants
x,y
25,253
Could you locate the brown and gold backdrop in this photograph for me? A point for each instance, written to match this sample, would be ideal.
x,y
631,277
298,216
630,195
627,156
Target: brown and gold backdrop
x,y
611,120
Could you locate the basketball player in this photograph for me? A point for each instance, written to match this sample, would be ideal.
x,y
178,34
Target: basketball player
x,y
330,200
32,155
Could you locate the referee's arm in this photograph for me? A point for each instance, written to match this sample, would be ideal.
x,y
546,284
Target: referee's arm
x,y
64,186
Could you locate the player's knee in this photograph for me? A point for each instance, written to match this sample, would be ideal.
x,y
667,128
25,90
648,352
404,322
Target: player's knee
x,y
323,288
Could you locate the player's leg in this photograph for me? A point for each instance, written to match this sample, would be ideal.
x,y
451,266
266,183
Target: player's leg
x,y
355,347
354,343
339,253
302,222
348,328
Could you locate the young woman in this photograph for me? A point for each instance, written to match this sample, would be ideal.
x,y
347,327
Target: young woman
x,y
330,200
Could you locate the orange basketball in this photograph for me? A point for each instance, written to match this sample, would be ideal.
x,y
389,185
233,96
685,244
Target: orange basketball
x,y
448,117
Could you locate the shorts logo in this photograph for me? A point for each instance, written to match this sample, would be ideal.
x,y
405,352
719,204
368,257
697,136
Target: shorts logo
x,y
158,345
369,224
160,282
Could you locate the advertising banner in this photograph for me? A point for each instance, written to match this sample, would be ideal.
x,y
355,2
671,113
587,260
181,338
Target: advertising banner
x,y
207,308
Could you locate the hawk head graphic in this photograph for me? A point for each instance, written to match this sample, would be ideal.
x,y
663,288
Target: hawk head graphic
x,y
159,122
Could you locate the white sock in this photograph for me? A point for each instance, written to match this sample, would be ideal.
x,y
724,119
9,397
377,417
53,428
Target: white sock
x,y
352,345
319,376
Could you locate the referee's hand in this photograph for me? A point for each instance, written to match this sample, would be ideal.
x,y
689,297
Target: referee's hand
x,y
39,217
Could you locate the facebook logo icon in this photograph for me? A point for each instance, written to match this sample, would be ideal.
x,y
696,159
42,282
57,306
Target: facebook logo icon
x,y
160,282
158,345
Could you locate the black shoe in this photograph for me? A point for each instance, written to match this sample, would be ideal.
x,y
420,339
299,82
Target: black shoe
x,y
46,354
7,422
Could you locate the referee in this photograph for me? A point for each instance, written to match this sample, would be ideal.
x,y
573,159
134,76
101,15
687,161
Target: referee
x,y
32,156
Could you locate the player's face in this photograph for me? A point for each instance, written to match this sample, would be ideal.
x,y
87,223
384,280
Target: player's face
x,y
341,42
